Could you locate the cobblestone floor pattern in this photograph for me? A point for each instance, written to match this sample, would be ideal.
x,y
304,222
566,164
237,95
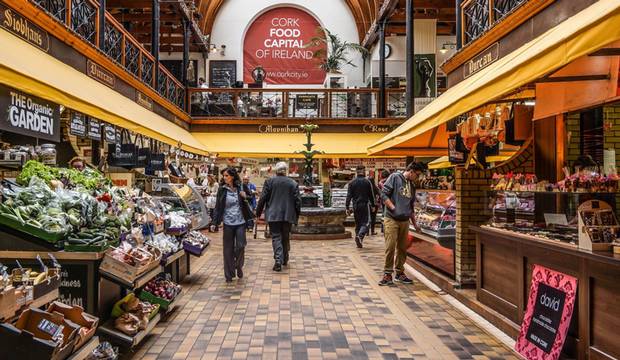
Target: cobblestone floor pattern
x,y
325,305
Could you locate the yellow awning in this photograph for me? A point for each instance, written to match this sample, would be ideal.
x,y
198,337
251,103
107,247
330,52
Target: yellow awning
x,y
28,69
252,145
583,33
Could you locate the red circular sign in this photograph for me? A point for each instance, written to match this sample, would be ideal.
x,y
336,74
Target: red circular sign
x,y
276,41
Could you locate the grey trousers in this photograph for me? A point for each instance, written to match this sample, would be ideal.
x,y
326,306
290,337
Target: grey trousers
x,y
281,240
234,242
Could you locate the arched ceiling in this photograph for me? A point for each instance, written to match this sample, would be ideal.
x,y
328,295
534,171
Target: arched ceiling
x,y
365,13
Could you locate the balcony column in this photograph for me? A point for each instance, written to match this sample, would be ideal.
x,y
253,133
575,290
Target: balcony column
x,y
155,40
102,24
187,34
459,24
381,99
409,59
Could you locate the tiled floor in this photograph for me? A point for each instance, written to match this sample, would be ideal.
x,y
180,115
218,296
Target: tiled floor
x,y
325,305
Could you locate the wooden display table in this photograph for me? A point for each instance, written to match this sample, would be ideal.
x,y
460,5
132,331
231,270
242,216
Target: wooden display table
x,y
504,266
80,280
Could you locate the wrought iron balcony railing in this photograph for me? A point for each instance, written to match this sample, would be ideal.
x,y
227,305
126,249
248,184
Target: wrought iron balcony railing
x,y
294,103
81,17
478,16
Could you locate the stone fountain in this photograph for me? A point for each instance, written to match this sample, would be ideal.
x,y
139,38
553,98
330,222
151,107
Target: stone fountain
x,y
315,222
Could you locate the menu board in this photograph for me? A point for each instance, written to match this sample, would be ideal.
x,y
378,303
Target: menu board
x,y
547,316
110,133
77,126
94,129
222,73
74,285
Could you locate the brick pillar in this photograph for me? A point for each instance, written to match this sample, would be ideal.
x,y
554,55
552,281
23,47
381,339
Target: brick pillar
x,y
471,190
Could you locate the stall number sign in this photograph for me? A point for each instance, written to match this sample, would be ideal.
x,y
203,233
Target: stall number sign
x,y
29,115
94,129
78,124
547,317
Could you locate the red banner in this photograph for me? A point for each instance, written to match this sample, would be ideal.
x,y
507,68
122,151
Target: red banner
x,y
276,43
547,316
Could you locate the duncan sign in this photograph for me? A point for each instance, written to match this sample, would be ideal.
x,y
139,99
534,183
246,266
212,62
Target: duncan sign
x,y
29,115
276,41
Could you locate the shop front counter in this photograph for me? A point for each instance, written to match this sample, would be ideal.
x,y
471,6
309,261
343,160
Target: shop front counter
x,y
505,260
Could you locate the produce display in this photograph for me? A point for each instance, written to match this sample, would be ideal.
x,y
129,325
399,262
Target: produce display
x,y
165,243
179,221
132,314
436,213
196,238
134,256
163,288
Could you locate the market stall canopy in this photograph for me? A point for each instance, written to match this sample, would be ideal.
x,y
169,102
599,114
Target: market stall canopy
x,y
583,33
27,69
286,144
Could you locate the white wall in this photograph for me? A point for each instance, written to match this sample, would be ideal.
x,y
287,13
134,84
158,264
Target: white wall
x,y
425,31
235,16
441,58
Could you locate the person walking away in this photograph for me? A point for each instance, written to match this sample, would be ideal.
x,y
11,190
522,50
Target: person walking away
x,y
282,203
375,205
233,210
251,199
360,191
211,188
398,195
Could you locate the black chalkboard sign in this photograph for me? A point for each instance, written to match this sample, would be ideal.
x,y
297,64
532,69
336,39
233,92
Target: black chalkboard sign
x,y
74,285
222,73
78,124
546,317
94,129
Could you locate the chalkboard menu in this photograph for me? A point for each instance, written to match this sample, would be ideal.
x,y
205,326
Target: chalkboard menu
x,y
222,73
94,129
77,126
110,133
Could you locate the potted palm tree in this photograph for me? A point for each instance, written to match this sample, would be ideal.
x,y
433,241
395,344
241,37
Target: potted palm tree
x,y
333,52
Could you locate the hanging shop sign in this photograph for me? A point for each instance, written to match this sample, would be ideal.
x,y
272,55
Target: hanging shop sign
x,y
547,316
100,74
109,132
144,101
23,28
276,43
482,60
94,129
307,102
29,115
270,129
77,127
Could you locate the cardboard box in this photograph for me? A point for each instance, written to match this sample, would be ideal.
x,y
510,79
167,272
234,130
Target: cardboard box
x,y
88,323
125,271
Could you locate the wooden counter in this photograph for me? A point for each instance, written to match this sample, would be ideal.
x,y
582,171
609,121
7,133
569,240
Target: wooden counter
x,y
504,266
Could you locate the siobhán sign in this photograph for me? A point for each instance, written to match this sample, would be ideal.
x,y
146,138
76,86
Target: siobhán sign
x,y
29,115
276,41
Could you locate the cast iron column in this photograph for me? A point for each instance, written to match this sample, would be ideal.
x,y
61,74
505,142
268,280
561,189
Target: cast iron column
x,y
187,34
102,24
155,40
381,70
459,25
409,58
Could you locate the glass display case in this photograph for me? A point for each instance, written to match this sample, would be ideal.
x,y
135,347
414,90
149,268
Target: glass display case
x,y
186,197
552,216
435,212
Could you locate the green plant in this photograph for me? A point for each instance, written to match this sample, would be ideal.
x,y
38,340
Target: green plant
x,y
336,57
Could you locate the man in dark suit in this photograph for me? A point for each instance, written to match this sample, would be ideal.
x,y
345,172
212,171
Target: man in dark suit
x,y
282,204
361,192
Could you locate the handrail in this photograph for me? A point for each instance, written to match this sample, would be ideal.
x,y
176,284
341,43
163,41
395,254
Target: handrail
x,y
116,42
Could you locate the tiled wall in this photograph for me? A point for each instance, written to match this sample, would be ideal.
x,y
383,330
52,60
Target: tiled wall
x,y
471,190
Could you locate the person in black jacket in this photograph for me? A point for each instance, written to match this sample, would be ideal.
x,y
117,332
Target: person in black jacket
x,y
362,193
232,208
282,204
